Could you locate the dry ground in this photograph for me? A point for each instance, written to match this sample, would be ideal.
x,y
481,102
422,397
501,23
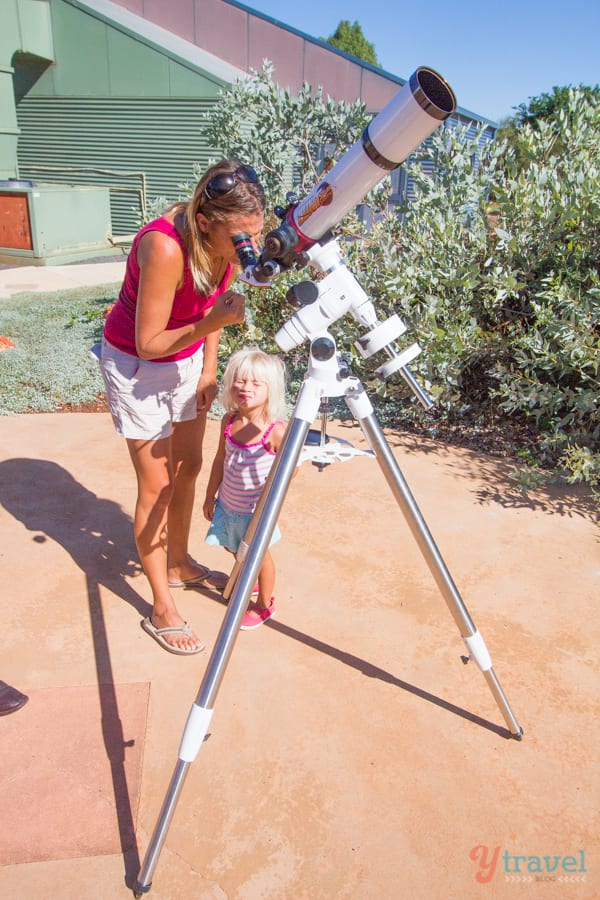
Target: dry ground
x,y
351,754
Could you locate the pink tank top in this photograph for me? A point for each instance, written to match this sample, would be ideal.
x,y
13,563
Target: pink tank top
x,y
188,305
245,471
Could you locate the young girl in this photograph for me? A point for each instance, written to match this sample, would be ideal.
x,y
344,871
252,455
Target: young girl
x,y
251,431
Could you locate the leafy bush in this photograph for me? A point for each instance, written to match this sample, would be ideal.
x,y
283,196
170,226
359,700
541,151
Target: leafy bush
x,y
289,139
506,296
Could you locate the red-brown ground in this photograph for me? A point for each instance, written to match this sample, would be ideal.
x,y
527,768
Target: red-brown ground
x,y
352,754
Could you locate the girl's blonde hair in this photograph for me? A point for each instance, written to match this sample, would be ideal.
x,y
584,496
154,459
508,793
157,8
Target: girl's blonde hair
x,y
244,199
260,366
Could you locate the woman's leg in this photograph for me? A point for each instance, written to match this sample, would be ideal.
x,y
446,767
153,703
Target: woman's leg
x,y
186,448
153,464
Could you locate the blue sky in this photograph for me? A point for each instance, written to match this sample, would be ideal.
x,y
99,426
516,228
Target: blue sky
x,y
494,55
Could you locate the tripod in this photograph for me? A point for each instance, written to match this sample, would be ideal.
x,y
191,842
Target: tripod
x,y
327,376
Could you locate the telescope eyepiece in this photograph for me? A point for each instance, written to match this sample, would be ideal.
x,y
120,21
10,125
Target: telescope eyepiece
x,y
244,249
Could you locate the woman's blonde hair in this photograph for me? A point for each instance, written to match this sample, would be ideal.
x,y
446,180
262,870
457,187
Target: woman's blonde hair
x,y
259,366
244,199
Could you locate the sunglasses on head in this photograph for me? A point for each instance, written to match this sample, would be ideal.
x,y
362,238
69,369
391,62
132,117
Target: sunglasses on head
x,y
224,182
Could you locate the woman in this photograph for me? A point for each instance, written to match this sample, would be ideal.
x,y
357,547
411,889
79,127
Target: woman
x,y
159,363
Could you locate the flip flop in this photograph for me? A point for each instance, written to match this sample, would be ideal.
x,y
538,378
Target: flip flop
x,y
190,582
157,634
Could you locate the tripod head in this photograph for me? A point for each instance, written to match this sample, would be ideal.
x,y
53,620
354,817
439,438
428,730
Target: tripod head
x,y
321,304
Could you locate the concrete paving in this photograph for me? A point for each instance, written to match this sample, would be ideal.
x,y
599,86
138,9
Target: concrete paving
x,y
55,278
352,753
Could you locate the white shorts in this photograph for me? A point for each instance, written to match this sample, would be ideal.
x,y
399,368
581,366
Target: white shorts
x,y
145,398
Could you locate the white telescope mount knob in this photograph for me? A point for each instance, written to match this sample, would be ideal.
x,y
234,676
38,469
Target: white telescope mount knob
x,y
382,337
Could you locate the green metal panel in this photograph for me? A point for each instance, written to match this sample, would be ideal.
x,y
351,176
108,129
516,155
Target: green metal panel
x,y
10,33
69,218
24,32
8,118
9,132
135,69
82,64
141,148
185,83
97,60
36,30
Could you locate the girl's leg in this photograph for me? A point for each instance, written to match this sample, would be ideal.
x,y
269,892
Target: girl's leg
x,y
186,446
266,581
218,580
152,461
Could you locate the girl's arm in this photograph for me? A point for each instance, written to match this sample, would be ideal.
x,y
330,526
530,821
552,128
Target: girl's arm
x,y
275,439
161,269
216,473
276,436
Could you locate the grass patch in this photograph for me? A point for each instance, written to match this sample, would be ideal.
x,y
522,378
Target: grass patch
x,y
50,366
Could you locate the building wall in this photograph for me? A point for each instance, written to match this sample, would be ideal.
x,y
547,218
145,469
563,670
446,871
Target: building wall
x,y
115,109
241,36
25,34
98,57
122,103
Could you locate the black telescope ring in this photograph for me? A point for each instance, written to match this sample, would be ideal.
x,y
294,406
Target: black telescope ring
x,y
374,154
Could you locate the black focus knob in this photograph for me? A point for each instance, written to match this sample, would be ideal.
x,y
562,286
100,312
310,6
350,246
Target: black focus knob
x,y
302,294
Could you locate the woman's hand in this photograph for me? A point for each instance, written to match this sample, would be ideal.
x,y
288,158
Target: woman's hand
x,y
228,309
205,393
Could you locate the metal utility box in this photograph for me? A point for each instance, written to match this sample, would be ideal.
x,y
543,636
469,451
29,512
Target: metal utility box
x,y
44,224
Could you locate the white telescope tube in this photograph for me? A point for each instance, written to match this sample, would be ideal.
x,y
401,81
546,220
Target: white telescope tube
x,y
403,124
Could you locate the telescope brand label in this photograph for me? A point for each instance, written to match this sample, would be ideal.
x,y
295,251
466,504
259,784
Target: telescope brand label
x,y
323,197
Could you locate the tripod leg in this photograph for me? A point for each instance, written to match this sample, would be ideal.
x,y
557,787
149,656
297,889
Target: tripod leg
x,y
362,409
256,542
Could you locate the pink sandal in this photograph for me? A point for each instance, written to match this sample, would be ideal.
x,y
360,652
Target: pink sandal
x,y
256,615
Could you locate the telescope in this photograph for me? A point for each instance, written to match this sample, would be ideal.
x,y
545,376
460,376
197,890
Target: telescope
x,y
418,108
305,233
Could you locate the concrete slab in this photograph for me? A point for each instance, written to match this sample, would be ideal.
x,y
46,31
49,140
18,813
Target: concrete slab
x,y
352,754
55,278
71,772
